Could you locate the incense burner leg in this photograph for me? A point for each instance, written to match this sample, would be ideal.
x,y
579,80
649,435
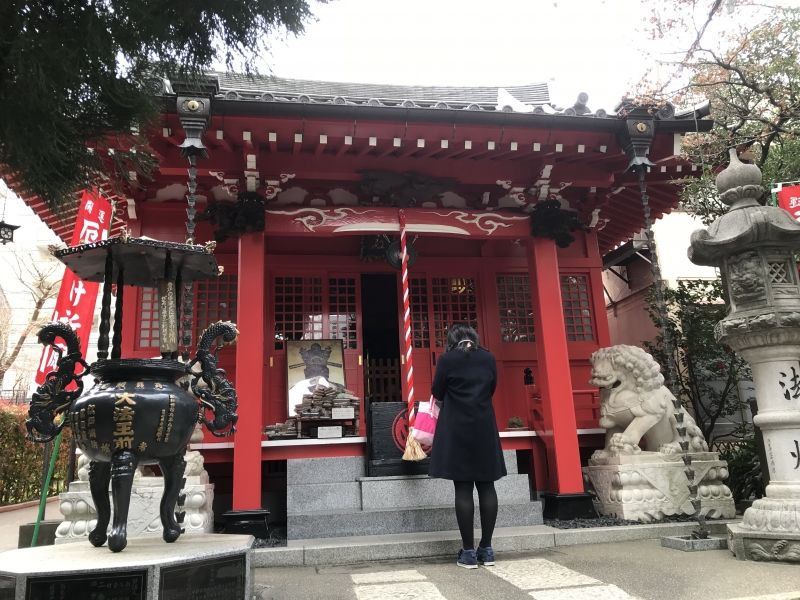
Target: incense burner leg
x,y
123,468
99,477
173,468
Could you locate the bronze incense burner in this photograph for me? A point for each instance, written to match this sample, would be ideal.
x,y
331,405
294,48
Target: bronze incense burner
x,y
139,411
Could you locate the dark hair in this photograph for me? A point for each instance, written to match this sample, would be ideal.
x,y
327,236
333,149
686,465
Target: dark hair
x,y
462,337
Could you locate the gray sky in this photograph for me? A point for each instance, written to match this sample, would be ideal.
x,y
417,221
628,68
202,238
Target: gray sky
x,y
576,45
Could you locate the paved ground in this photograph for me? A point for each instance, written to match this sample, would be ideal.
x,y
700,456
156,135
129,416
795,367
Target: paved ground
x,y
11,520
618,571
640,570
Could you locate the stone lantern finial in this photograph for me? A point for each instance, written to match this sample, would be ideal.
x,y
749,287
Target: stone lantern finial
x,y
739,185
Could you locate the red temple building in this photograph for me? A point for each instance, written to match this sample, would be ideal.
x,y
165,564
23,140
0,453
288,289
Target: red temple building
x,y
509,211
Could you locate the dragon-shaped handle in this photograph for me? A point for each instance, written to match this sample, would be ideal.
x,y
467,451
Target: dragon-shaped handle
x,y
217,394
52,399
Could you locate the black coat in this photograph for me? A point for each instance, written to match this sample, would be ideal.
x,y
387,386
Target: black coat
x,y
466,446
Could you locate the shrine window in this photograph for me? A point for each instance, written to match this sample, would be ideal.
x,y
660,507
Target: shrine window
x,y
453,299
418,288
515,308
298,309
577,308
147,335
215,300
342,323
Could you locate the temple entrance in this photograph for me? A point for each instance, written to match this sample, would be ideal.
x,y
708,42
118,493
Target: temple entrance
x,y
381,338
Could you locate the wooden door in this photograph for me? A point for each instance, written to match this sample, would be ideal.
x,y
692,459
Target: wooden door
x,y
437,301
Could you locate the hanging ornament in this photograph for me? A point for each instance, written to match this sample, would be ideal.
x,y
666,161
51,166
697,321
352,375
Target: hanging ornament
x,y
6,229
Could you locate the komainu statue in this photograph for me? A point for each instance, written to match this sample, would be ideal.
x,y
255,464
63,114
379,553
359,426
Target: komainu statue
x,y
635,405
655,461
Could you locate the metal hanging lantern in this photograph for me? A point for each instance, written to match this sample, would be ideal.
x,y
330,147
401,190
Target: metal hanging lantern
x,y
6,229
7,232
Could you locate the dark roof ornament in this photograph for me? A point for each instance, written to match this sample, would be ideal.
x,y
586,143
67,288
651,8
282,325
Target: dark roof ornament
x,y
193,113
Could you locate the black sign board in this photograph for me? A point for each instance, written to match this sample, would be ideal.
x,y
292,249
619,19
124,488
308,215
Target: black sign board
x,y
129,585
8,585
386,441
215,579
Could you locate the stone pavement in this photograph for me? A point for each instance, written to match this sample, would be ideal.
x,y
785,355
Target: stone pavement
x,y
10,520
634,570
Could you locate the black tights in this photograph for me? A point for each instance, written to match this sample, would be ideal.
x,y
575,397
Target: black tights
x,y
465,511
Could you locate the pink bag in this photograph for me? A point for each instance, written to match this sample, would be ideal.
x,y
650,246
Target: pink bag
x,y
425,423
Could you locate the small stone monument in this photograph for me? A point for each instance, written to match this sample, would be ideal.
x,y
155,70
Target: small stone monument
x,y
648,484
80,517
754,247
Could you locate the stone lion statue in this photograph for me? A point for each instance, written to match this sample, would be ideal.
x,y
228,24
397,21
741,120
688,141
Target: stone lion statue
x,y
635,405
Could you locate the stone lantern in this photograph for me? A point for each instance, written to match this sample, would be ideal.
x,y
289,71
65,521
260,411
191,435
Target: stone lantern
x,y
754,246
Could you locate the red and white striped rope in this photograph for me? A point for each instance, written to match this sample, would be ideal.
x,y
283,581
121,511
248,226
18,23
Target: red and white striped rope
x,y
408,367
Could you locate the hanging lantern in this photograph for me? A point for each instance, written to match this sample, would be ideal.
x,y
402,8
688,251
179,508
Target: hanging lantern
x,y
7,232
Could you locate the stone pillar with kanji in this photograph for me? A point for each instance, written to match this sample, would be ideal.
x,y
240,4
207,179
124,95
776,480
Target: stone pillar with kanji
x,y
754,247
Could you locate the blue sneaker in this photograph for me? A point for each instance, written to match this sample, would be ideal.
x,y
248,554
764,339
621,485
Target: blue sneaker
x,y
485,556
467,559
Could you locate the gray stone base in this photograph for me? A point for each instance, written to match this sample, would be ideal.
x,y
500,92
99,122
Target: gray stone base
x,y
688,544
648,486
749,544
331,497
148,557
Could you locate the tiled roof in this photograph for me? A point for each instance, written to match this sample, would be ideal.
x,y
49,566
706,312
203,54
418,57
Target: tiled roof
x,y
234,86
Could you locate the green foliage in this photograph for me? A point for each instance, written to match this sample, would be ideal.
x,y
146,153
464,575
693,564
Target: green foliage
x,y
744,467
21,460
753,83
707,373
76,77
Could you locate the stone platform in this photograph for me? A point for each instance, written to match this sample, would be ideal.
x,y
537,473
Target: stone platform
x,y
334,498
198,566
649,486
750,544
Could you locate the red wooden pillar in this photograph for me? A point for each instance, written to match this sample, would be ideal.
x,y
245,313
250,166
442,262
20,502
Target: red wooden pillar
x,y
555,385
250,384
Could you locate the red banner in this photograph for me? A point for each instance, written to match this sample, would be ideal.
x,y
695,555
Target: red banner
x,y
789,199
77,298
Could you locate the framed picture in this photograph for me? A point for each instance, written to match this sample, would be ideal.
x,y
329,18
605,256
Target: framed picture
x,y
308,360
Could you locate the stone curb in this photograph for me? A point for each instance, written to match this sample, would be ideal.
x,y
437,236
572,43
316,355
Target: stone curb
x,y
349,550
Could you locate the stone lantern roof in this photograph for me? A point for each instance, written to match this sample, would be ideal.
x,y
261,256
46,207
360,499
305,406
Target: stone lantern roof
x,y
739,186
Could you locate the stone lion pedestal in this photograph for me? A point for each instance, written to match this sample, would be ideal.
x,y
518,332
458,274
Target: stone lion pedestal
x,y
649,486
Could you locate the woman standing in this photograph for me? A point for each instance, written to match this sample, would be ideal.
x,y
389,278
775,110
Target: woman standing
x,y
466,445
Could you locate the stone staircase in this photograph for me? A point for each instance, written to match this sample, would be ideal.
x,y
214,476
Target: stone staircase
x,y
332,497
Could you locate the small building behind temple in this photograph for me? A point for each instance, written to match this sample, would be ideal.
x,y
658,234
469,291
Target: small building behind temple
x,y
509,205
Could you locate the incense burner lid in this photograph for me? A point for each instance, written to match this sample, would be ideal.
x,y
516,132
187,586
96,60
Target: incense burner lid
x,y
144,260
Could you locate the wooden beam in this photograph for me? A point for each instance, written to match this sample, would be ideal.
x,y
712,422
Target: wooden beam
x,y
396,144
298,144
372,143
346,145
272,141
513,148
459,149
323,143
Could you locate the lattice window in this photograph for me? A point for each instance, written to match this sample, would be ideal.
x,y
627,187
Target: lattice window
x,y
298,309
779,273
516,312
420,329
342,318
215,301
577,307
453,302
148,319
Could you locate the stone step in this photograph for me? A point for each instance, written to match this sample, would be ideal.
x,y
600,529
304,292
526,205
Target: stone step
x,y
349,550
400,520
419,491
